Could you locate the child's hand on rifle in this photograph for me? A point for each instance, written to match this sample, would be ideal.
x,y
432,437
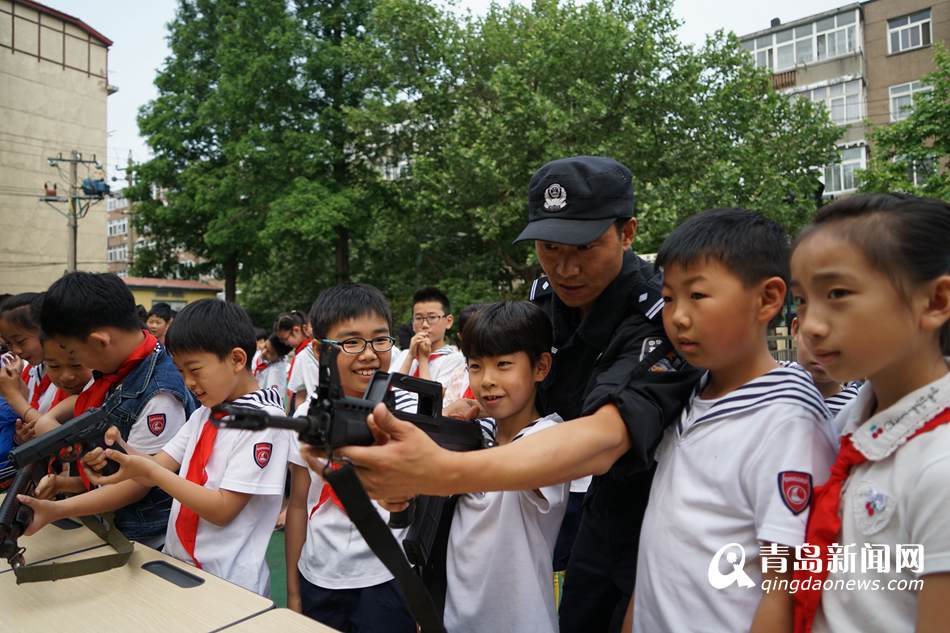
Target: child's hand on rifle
x,y
24,431
44,512
141,468
49,485
95,460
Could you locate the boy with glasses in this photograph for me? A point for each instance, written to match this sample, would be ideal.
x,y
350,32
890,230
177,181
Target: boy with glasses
x,y
429,356
332,575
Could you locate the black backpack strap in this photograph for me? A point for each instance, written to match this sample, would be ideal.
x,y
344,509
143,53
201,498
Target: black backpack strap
x,y
381,541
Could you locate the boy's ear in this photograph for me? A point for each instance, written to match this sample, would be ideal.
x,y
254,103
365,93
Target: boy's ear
x,y
99,338
448,321
239,357
771,298
315,346
937,311
542,366
793,326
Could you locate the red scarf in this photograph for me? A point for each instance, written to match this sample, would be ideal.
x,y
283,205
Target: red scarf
x,y
39,390
468,395
59,397
327,494
186,525
300,348
439,352
824,522
25,374
260,365
95,395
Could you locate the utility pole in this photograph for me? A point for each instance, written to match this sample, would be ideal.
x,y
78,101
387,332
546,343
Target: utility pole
x,y
75,210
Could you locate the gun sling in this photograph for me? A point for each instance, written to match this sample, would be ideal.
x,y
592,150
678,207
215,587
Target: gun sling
x,y
380,539
105,530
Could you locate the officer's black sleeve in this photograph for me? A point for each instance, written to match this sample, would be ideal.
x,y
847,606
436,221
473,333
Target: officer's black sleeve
x,y
648,400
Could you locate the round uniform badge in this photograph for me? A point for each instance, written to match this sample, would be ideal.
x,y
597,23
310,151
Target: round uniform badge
x,y
555,198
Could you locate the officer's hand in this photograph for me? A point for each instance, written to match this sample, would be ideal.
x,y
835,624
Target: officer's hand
x,y
406,462
463,409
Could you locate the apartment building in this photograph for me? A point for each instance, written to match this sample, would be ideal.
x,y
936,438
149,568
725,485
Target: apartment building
x,y
120,236
863,61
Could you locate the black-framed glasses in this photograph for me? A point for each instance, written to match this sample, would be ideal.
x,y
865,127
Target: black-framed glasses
x,y
431,319
356,345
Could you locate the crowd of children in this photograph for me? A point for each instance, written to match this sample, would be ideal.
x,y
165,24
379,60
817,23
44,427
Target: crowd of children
x,y
846,447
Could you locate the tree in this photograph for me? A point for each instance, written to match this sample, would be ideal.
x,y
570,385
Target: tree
x,y
918,145
698,128
218,129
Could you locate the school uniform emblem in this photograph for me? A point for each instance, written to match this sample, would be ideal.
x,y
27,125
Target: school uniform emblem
x,y
795,489
872,508
555,198
262,451
156,423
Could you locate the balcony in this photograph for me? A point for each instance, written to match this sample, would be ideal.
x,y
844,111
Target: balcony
x,y
782,80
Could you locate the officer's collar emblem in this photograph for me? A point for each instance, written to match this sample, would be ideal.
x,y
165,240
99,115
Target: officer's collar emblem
x,y
555,198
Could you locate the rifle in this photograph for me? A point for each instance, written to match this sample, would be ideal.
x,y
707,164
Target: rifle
x,y
335,420
66,444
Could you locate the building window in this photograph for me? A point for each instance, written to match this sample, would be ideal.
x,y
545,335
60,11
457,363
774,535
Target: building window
x,y
839,177
902,98
117,254
908,32
117,227
114,204
843,100
824,39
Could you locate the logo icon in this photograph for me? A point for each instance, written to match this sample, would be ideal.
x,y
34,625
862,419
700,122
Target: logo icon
x,y
795,489
262,451
735,557
555,198
156,423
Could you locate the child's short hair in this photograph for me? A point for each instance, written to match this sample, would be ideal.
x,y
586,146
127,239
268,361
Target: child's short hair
x,y
78,303
289,320
279,346
261,334
749,244
161,310
508,327
429,293
465,314
22,310
905,237
344,302
214,326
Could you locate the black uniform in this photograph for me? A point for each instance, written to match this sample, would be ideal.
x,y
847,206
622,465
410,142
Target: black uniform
x,y
619,354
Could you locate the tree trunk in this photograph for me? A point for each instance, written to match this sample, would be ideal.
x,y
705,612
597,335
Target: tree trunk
x,y
230,279
342,254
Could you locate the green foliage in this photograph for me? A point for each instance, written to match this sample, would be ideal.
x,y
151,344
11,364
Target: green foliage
x,y
921,142
292,174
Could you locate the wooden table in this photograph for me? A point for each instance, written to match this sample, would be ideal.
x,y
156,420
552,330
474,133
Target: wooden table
x,y
279,621
127,598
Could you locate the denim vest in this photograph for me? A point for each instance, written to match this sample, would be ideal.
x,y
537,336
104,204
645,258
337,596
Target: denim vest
x,y
147,518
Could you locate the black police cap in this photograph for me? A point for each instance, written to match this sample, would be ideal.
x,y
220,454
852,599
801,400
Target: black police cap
x,y
574,200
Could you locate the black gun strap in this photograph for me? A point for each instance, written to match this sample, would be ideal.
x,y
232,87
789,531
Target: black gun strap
x,y
380,539
105,530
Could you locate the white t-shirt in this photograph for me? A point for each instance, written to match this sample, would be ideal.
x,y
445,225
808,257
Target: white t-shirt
x,y
735,470
274,375
159,421
253,462
305,374
445,364
334,554
899,497
498,565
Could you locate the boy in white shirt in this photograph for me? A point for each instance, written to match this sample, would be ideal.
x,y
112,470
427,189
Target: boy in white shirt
x,y
736,472
229,492
271,369
428,355
501,544
332,575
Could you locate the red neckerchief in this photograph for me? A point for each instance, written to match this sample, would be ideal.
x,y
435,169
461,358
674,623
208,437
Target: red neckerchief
x,y
824,523
39,390
327,494
442,351
25,374
59,397
260,365
186,525
468,395
95,395
297,351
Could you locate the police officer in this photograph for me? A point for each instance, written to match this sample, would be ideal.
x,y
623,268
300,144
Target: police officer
x,y
615,378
